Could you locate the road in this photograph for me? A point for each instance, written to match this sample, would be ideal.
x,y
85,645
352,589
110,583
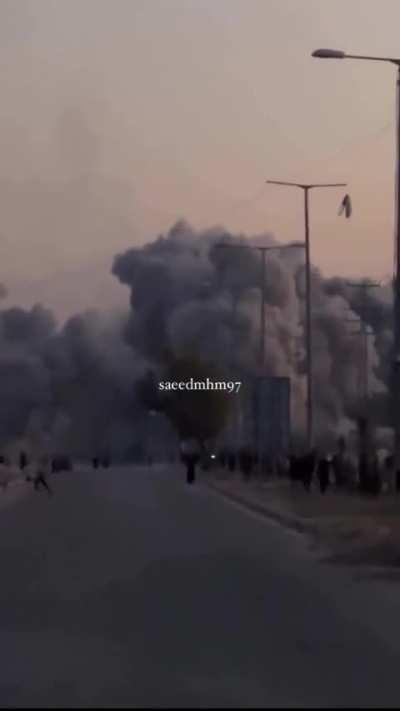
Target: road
x,y
129,588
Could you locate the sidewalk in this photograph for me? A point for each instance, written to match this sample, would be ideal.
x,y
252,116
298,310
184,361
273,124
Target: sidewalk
x,y
352,528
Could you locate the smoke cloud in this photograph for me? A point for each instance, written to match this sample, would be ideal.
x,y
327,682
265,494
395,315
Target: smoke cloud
x,y
188,294
76,385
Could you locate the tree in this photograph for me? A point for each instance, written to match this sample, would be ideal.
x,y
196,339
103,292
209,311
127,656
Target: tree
x,y
195,413
147,392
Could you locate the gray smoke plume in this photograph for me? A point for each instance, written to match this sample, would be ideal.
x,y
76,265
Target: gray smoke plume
x,y
187,293
73,387
63,110
76,386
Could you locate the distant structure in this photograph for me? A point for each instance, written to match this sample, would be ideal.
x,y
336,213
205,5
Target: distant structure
x,y
265,416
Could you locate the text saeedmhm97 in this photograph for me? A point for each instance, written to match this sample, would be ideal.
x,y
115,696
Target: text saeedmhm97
x,y
228,385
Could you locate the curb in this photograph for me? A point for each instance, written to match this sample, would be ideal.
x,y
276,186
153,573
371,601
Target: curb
x,y
292,522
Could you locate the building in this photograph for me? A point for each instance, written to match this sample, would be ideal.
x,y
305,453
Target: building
x,y
260,418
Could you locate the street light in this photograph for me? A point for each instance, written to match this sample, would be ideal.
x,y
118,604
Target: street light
x,y
338,54
306,188
263,251
329,54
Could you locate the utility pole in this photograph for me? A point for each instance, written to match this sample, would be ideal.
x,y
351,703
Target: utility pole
x,y
363,379
262,251
396,289
339,54
309,350
262,346
363,387
365,443
365,335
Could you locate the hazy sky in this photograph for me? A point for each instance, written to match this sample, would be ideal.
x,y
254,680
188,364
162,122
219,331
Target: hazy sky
x,y
119,116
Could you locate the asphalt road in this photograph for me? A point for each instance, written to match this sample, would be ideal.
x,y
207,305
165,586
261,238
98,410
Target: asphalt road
x,y
129,588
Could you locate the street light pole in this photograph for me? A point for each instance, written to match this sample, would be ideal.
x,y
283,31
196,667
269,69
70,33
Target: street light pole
x,y
396,359
363,287
263,251
309,350
338,54
262,311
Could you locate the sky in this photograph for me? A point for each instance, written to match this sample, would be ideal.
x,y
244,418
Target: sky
x,y
118,117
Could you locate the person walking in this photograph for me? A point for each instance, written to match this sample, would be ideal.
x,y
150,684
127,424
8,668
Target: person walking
x,y
324,467
23,461
4,473
42,473
190,455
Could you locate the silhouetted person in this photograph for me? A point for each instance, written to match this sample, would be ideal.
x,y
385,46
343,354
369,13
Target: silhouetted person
x,y
222,459
191,461
23,461
293,468
95,462
267,465
307,469
338,463
4,474
231,462
246,462
302,469
363,472
376,478
42,472
388,467
190,456
323,474
398,480
338,469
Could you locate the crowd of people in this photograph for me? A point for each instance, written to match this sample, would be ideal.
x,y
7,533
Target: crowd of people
x,y
370,472
37,468
103,461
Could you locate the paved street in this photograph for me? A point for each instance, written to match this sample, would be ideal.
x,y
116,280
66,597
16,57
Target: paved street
x,y
130,589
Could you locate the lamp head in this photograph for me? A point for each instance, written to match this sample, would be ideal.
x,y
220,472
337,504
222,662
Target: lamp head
x,y
329,54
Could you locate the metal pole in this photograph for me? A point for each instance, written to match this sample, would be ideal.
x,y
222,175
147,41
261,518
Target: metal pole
x,y
325,53
365,353
364,370
308,330
366,357
396,409
308,325
261,354
364,345
262,358
262,312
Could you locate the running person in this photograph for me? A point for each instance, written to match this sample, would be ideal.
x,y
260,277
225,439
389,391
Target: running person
x,y
42,472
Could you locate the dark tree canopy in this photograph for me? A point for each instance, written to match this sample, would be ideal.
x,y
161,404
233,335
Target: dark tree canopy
x,y
201,414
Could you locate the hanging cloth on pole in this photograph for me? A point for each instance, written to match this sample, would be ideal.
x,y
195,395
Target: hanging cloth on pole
x,y
345,206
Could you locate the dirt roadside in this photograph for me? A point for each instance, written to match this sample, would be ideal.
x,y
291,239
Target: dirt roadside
x,y
353,529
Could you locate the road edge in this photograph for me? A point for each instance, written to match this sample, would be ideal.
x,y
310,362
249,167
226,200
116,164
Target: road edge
x,y
294,523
